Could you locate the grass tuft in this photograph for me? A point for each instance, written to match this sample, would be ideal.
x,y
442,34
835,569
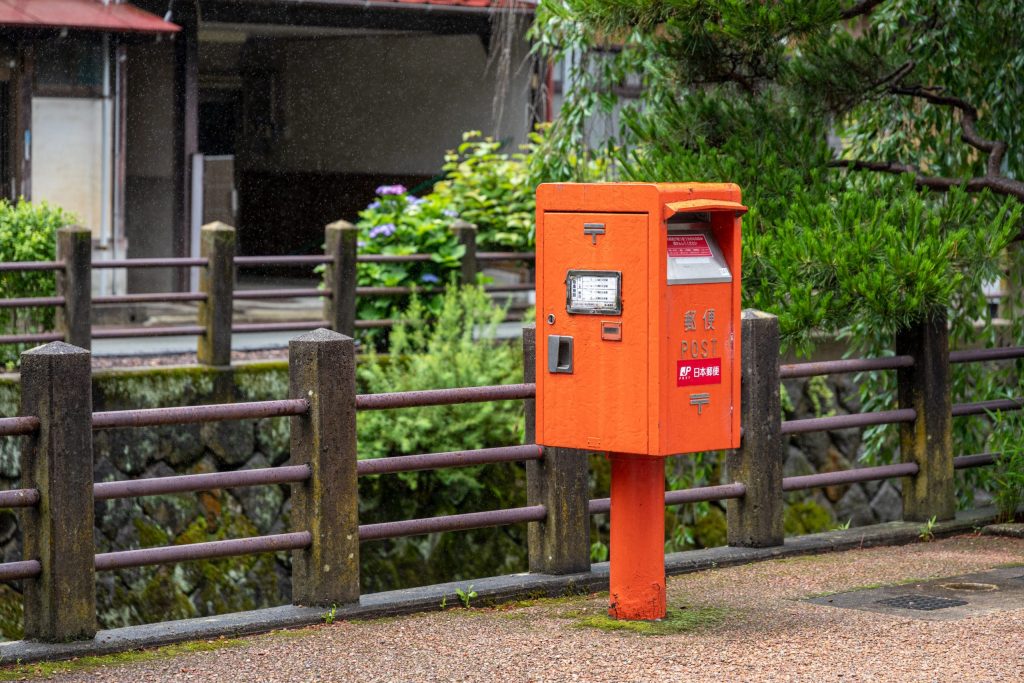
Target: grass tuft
x,y
677,620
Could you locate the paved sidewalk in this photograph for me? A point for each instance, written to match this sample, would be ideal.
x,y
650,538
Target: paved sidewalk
x,y
757,626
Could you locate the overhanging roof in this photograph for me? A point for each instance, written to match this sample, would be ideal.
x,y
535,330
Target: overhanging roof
x,y
90,15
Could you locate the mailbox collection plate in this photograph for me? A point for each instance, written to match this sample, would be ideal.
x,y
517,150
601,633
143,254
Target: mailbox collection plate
x,y
593,292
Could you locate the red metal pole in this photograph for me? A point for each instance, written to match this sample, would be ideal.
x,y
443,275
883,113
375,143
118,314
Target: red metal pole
x,y
637,581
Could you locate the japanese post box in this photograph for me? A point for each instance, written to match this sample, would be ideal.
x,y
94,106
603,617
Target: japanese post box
x,y
638,317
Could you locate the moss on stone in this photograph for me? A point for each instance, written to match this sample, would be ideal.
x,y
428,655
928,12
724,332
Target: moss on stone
x,y
710,530
806,517
677,620
12,613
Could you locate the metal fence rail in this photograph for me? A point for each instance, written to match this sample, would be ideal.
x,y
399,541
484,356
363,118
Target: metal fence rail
x,y
823,424
151,417
190,483
19,426
435,461
210,550
444,397
463,522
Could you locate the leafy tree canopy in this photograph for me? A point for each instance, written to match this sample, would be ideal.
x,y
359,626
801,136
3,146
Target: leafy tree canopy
x,y
877,143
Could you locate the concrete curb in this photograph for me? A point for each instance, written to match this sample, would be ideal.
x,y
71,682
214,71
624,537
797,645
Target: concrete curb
x,y
491,590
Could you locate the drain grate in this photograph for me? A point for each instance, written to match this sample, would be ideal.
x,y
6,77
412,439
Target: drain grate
x,y
925,603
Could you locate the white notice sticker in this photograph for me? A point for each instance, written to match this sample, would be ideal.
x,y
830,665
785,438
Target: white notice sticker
x,y
594,292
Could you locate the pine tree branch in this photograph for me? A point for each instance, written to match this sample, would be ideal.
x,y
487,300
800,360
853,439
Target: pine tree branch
x,y
859,9
993,180
968,121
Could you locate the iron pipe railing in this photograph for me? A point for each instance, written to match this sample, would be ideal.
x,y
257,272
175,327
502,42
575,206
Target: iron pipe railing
x,y
855,476
290,325
824,424
517,287
469,520
19,426
152,297
31,337
19,498
389,291
24,569
133,332
17,266
835,367
435,461
505,256
964,462
280,293
369,324
982,407
698,494
150,417
209,550
189,483
443,397
998,353
31,301
292,260
172,262
394,258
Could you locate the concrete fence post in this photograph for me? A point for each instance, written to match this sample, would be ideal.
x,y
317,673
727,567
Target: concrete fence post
x,y
560,544
755,521
74,283
928,441
466,234
340,276
322,370
56,386
217,281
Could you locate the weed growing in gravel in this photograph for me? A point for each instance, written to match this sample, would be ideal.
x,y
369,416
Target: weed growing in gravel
x,y
927,531
330,614
20,672
677,620
465,595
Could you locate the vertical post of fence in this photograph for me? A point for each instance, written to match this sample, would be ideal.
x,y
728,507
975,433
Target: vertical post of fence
x,y
74,283
340,276
56,386
466,235
928,440
755,520
217,282
322,370
560,544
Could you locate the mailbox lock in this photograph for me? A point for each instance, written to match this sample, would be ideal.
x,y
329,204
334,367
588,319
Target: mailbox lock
x,y
551,318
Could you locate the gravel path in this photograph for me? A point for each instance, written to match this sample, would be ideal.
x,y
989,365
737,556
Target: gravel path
x,y
768,635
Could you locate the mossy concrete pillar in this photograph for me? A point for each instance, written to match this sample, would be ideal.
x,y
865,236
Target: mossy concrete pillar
x,y
322,370
466,234
560,544
217,281
74,283
56,386
928,440
755,520
340,276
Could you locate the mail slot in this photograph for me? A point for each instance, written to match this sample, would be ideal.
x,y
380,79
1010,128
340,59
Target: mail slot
x,y
638,285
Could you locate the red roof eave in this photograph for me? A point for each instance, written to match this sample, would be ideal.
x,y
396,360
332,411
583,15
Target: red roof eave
x,y
81,14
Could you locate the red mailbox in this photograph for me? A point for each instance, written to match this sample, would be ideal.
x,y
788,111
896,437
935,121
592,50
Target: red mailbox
x,y
638,333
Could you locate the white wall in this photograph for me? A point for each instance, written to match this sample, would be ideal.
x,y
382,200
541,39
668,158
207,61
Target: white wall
x,y
67,156
387,103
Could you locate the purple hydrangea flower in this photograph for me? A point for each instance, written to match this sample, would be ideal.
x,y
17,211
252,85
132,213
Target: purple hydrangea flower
x,y
415,201
451,213
373,205
391,189
360,243
430,278
386,230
